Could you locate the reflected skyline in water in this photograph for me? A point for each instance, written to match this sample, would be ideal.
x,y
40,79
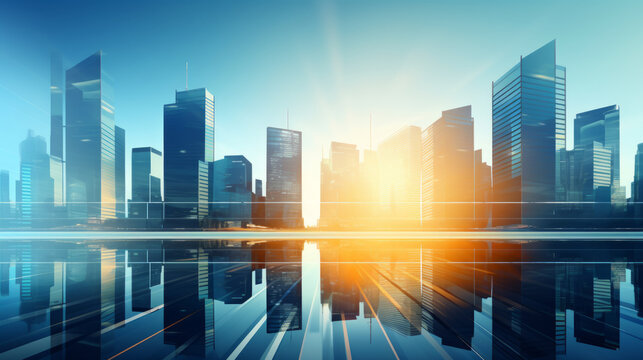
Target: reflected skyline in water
x,y
320,299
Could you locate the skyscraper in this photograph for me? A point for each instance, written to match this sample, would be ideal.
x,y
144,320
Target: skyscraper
x,y
483,191
595,181
56,142
400,166
597,131
56,145
637,185
36,188
147,177
120,172
5,199
188,147
90,142
448,170
339,195
600,125
258,204
528,133
283,188
231,191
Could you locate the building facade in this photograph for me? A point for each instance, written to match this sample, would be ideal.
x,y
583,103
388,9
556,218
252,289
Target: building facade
x,y
283,185
596,138
90,142
119,173
528,135
231,191
5,199
188,147
483,192
147,178
448,171
56,139
637,184
35,189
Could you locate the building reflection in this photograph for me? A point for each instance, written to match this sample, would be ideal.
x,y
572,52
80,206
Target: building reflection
x,y
536,296
453,285
188,314
90,301
283,286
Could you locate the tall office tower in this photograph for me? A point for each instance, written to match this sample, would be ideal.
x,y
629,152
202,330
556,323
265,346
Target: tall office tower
x,y
56,140
231,191
188,143
283,188
56,172
147,177
258,187
483,191
600,126
119,186
637,184
400,165
258,204
56,143
448,170
89,142
528,133
339,186
5,199
595,182
36,187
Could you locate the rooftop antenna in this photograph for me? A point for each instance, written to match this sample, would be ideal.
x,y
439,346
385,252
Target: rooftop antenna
x,y
186,75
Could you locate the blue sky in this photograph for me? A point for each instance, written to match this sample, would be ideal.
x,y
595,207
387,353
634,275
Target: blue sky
x,y
329,64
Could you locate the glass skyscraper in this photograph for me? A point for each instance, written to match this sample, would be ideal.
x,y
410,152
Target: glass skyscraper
x,y
283,188
595,180
637,184
147,177
188,147
90,142
448,170
5,199
528,137
231,191
599,129
120,172
56,107
56,142
35,189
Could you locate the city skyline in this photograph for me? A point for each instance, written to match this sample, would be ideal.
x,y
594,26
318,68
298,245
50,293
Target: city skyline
x,y
592,83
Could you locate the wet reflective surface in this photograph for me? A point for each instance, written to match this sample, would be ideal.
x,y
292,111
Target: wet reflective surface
x,y
320,299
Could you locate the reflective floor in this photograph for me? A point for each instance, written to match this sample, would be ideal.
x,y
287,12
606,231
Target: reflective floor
x,y
321,299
